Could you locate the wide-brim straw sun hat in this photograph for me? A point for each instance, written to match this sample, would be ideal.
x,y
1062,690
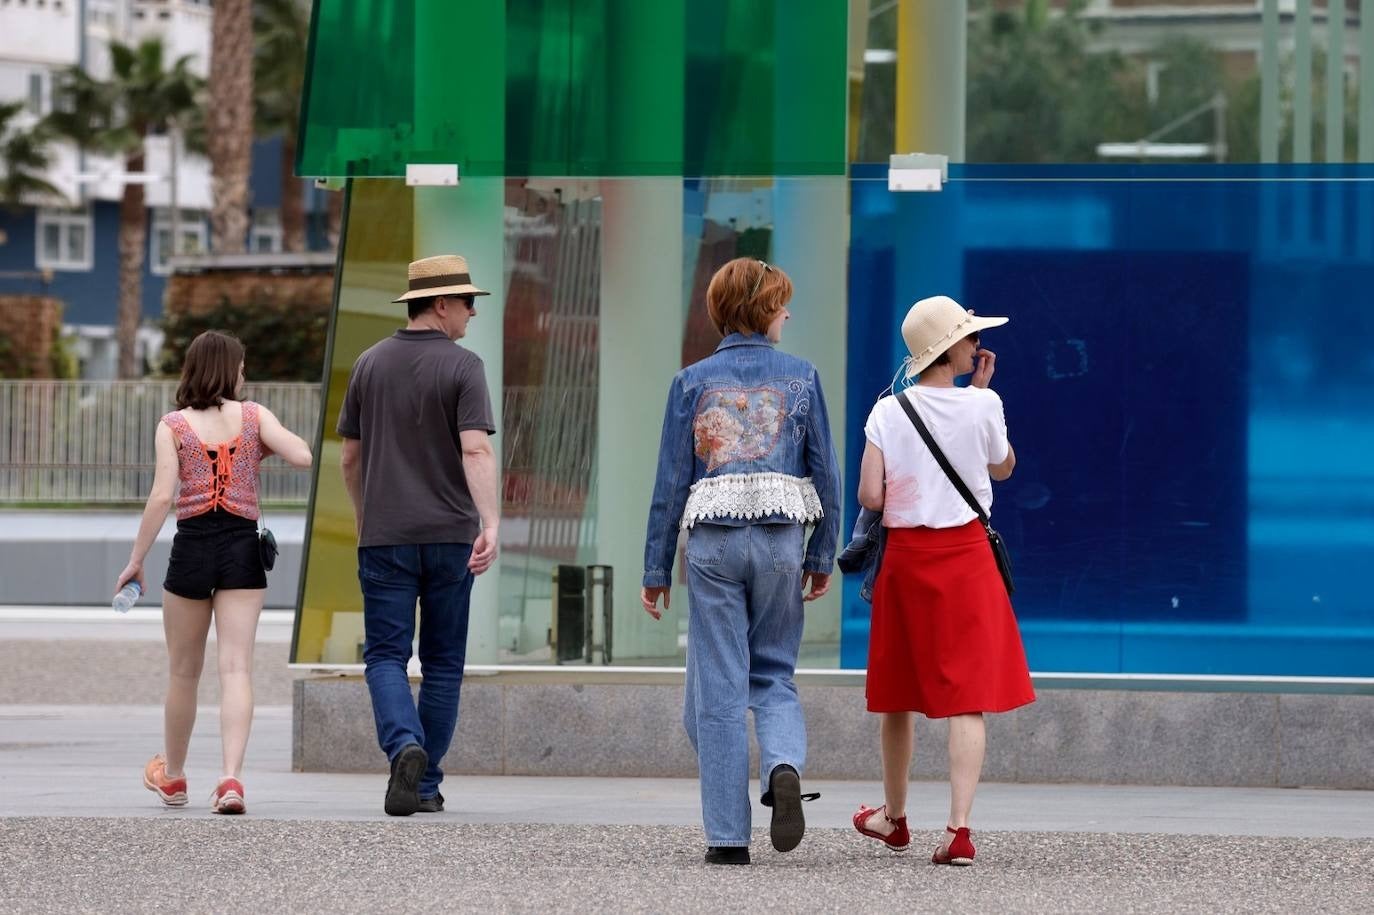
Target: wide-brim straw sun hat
x,y
935,324
446,274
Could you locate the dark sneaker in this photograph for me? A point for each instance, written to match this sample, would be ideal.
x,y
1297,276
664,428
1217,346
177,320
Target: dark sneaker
x,y
789,824
431,804
727,854
403,791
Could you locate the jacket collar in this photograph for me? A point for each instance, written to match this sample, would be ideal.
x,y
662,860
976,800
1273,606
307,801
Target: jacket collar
x,y
738,339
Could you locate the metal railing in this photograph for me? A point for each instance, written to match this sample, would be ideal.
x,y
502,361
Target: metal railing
x,y
91,442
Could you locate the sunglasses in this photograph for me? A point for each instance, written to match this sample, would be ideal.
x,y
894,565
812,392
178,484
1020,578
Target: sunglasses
x,y
759,282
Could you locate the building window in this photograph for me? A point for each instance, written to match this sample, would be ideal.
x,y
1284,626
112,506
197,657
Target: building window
x,y
194,238
38,93
65,240
265,237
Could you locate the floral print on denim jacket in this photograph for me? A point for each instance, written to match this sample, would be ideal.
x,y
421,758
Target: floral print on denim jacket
x,y
746,440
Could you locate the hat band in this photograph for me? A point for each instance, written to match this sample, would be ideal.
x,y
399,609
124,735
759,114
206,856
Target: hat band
x,y
925,352
446,279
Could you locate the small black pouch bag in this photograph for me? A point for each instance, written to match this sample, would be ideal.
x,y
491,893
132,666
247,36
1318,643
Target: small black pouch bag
x,y
999,549
267,545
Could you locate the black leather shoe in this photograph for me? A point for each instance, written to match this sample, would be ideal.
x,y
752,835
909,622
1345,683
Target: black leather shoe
x,y
431,804
789,824
403,791
727,854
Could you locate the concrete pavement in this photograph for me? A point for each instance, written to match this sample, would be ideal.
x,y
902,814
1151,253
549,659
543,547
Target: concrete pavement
x,y
78,832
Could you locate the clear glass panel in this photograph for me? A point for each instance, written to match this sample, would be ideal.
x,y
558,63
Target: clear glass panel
x,y
1190,485
578,87
566,475
1129,80
549,430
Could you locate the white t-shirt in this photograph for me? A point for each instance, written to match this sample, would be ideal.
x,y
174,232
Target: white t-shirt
x,y
970,428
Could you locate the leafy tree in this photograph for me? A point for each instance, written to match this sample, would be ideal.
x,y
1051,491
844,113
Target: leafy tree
x,y
23,159
282,342
142,96
1036,93
281,34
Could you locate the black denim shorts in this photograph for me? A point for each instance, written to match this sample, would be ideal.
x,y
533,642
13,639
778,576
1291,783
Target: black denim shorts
x,y
213,552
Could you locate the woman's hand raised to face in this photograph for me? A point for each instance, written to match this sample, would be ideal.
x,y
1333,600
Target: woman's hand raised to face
x,y
984,364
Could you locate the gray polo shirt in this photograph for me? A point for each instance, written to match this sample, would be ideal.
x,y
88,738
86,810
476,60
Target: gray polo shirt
x,y
408,398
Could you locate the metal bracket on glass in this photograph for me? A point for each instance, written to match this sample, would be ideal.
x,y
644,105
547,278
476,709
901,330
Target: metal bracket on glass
x,y
432,175
917,171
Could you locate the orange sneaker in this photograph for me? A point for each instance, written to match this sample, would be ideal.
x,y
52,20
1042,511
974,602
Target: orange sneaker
x,y
228,796
171,791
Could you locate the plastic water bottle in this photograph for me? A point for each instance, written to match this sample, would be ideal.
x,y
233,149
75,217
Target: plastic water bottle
x,y
126,597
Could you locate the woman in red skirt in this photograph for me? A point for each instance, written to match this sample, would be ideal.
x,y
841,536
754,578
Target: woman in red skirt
x,y
944,640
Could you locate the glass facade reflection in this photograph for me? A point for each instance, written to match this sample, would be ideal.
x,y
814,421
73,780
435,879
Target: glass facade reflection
x,y
1184,373
1190,496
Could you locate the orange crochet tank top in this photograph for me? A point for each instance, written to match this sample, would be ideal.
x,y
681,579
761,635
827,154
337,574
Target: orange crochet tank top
x,y
223,475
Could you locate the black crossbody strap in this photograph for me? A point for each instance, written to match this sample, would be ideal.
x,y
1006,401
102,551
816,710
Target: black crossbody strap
x,y
940,457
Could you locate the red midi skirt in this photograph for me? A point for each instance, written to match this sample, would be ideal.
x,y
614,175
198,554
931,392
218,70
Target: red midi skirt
x,y
944,640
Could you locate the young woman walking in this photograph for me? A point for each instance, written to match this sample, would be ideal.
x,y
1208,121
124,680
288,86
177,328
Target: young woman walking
x,y
208,452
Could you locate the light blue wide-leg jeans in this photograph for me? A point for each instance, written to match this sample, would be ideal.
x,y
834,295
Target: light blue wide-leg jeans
x,y
743,633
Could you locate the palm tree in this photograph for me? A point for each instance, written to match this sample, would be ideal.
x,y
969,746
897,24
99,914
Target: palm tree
x,y
229,123
23,159
281,31
115,116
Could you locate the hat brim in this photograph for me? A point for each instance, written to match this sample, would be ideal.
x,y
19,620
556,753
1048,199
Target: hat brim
x,y
467,289
973,325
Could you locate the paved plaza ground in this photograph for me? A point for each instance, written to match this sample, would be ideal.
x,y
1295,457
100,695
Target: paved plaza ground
x,y
78,832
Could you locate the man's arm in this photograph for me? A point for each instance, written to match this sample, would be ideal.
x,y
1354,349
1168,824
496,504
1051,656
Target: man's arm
x,y
479,465
351,463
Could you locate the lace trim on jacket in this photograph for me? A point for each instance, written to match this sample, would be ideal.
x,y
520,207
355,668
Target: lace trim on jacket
x,y
752,495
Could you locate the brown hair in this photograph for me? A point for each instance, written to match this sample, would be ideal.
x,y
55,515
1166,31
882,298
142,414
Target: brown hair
x,y
210,373
745,295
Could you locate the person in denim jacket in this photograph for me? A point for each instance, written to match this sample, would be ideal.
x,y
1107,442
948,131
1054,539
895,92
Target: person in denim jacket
x,y
746,461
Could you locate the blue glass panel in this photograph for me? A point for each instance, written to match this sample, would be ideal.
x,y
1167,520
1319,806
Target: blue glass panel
x,y
1186,379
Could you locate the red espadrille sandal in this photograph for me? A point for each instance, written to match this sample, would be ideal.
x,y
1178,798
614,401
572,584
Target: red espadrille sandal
x,y
898,838
960,852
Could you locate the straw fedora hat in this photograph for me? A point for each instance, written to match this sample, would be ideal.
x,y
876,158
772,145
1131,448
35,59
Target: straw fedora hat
x,y
446,274
935,324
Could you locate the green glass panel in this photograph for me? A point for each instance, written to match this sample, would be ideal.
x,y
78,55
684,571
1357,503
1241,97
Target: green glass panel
x,y
392,83
766,88
577,87
587,94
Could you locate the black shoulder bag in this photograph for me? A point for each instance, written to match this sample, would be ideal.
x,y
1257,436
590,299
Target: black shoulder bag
x,y
999,549
267,545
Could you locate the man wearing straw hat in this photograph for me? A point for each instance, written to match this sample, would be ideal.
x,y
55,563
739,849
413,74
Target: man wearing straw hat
x,y
422,476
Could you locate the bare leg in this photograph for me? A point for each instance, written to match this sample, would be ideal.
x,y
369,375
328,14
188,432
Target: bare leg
x,y
185,623
897,730
236,628
967,742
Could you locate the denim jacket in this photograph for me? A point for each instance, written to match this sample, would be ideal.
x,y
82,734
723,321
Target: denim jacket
x,y
865,550
746,440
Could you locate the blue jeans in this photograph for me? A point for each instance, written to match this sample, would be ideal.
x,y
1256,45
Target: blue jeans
x,y
743,633
392,579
